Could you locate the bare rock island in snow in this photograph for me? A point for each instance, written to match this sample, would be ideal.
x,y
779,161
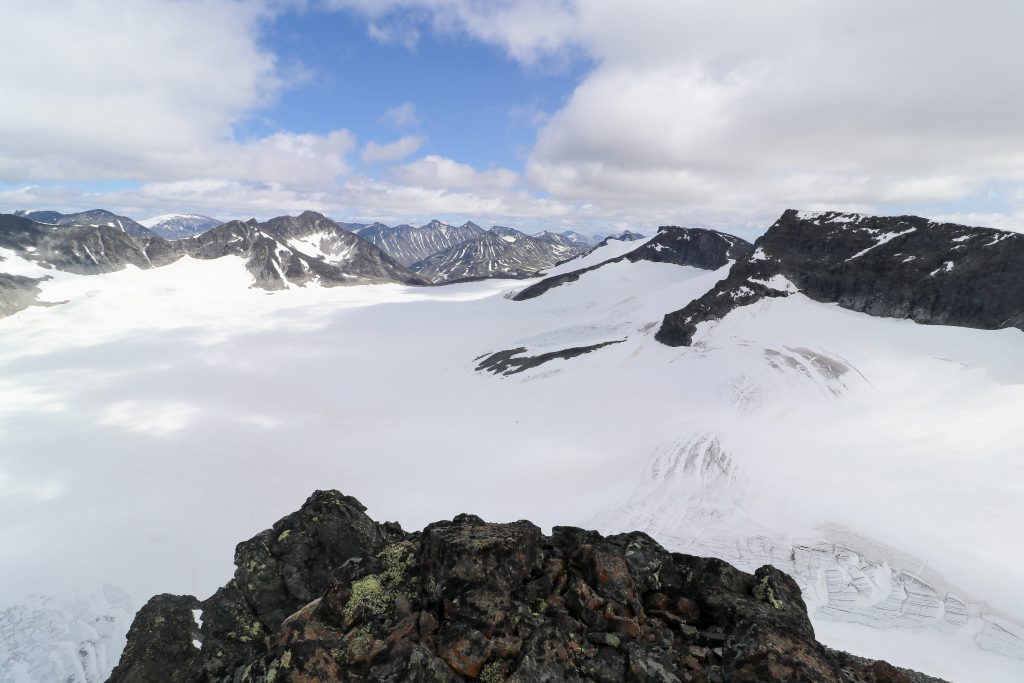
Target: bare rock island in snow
x,y
328,594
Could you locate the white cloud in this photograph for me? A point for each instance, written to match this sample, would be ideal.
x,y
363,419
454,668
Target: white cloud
x,y
525,29
107,89
147,90
691,112
737,109
402,116
393,151
437,172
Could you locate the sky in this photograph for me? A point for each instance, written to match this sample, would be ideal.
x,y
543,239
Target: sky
x,y
564,114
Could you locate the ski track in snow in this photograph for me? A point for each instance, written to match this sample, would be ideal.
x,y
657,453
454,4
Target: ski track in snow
x,y
147,426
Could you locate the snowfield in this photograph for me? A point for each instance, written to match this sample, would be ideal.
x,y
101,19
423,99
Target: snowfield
x,y
159,417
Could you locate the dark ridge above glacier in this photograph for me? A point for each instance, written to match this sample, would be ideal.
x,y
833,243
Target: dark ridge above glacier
x,y
897,266
696,247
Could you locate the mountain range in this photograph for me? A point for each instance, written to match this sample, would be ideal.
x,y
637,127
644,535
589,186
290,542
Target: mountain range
x,y
499,252
281,252
94,218
174,226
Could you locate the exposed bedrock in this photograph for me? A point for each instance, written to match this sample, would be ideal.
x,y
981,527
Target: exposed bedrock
x,y
328,594
898,267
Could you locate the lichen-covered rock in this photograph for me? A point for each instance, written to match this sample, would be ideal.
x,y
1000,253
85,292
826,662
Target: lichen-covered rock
x,y
161,645
467,600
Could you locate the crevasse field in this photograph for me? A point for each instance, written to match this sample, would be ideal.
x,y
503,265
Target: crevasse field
x,y
156,418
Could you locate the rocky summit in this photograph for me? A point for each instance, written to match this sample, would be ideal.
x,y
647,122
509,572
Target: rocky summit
x,y
328,594
890,266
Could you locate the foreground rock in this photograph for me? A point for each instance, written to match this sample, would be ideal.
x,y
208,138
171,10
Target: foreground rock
x,y
328,594
897,267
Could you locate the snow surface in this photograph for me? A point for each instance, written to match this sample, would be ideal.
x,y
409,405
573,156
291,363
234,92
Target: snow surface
x,y
880,240
157,220
613,249
147,426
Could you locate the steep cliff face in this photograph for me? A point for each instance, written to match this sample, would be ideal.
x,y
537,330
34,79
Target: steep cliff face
x,y
899,267
328,594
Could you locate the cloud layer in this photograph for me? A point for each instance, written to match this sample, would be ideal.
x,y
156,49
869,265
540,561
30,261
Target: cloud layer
x,y
703,113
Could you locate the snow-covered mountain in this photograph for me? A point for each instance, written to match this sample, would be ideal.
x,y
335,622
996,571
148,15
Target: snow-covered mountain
x,y
624,236
295,250
578,240
408,244
809,421
567,238
284,251
174,226
500,252
93,218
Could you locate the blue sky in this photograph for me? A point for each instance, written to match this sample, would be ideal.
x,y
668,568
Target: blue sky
x,y
565,114
473,102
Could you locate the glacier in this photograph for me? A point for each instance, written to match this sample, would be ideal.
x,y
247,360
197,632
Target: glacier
x,y
149,419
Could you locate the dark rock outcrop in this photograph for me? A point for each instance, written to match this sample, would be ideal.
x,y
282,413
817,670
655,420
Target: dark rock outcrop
x,y
511,361
898,267
697,247
85,250
17,292
161,642
329,595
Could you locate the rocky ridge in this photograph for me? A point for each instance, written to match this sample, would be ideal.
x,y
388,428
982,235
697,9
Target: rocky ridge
x,y
328,594
408,244
697,247
899,267
176,226
93,218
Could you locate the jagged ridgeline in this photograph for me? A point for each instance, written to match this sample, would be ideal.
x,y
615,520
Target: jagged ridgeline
x,y
279,253
328,594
